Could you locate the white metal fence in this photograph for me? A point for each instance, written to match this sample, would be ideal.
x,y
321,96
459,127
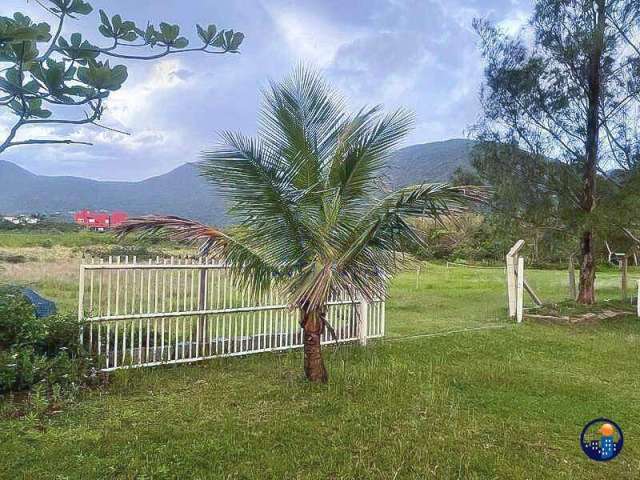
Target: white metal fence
x,y
183,310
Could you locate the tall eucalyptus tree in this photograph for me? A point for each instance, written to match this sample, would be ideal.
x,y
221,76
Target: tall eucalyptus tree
x,y
569,92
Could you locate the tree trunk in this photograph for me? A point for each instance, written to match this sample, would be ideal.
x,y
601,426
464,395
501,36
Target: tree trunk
x,y
587,293
312,326
594,82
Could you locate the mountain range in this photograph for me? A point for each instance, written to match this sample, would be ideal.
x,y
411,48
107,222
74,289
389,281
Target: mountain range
x,y
184,193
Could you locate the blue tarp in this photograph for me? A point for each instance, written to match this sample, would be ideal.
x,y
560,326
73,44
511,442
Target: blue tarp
x,y
42,306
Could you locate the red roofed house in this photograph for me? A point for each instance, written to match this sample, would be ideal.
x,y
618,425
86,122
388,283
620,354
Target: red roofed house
x,y
99,221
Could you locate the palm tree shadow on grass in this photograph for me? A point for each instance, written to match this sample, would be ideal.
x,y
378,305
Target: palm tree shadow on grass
x,y
312,219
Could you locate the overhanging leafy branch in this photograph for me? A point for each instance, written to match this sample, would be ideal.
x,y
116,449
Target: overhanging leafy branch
x,y
71,72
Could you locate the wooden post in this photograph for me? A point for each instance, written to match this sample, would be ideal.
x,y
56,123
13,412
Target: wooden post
x,y
363,322
520,290
638,300
512,263
623,276
511,286
81,305
573,293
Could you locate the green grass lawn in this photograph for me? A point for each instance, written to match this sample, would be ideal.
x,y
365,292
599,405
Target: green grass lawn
x,y
45,238
506,402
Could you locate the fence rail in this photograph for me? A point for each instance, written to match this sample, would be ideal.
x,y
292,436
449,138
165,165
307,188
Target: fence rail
x,y
183,310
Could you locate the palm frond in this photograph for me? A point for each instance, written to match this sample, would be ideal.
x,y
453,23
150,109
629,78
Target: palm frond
x,y
386,219
248,265
364,151
257,185
299,119
175,229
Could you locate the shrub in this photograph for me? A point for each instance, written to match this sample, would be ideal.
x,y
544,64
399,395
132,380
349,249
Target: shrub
x,y
11,258
18,323
34,351
142,252
61,333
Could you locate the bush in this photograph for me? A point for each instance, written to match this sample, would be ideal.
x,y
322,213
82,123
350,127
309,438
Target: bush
x,y
11,258
34,351
61,333
141,251
18,323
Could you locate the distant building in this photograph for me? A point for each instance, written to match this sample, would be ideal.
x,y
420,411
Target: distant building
x,y
21,219
99,221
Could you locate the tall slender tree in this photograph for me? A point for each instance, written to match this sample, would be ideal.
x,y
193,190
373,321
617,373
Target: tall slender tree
x,y
312,219
568,94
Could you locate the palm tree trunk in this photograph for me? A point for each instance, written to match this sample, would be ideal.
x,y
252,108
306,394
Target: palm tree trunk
x,y
314,369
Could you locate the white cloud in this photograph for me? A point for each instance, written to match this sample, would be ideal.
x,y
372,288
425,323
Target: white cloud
x,y
136,100
309,37
148,138
514,23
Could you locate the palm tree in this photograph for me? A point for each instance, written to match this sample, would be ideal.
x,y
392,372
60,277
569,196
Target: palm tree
x,y
311,213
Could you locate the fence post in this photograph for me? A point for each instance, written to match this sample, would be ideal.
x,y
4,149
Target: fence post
x,y
573,293
638,300
363,322
512,264
520,290
81,304
511,285
624,262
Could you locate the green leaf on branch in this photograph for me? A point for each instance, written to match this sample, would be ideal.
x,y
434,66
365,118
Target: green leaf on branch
x,y
23,53
169,33
116,21
53,76
14,77
35,109
105,29
117,28
79,50
32,87
71,7
80,7
149,35
80,91
235,42
207,35
16,107
20,29
101,76
181,42
104,18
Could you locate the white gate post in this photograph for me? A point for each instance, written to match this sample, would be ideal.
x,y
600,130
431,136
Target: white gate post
x,y
363,322
511,285
512,264
520,290
638,299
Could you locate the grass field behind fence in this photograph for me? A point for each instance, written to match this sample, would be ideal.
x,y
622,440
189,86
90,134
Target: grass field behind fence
x,y
507,402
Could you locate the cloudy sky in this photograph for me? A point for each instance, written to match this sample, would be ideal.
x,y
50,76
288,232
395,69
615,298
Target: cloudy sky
x,y
419,54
